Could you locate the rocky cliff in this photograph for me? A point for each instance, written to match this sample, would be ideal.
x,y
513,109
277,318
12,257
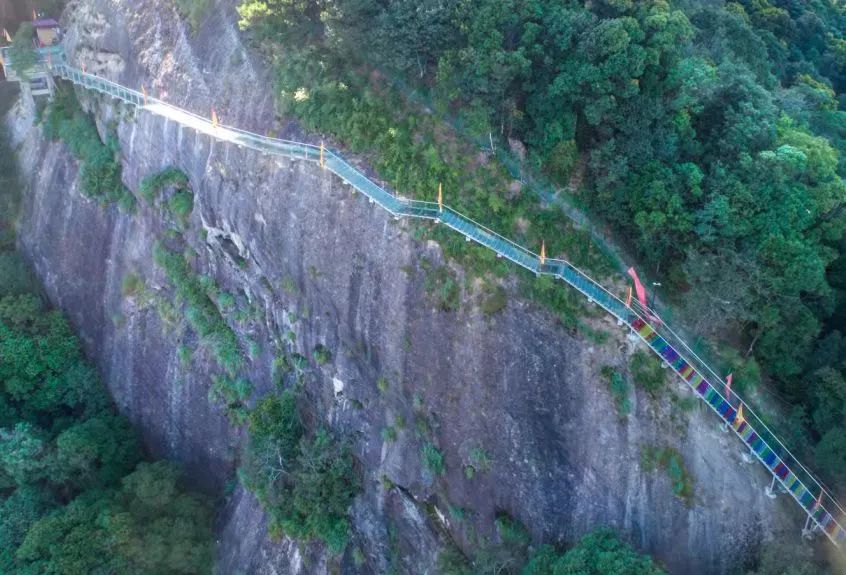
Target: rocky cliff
x,y
305,255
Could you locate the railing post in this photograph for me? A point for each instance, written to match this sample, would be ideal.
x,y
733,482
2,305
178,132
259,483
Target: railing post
x,y
808,529
770,489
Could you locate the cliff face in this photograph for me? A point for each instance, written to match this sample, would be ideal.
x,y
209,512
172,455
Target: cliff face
x,y
305,254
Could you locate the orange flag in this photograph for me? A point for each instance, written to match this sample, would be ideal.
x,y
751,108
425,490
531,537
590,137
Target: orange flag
x,y
819,501
440,197
629,297
6,35
543,252
728,386
214,118
322,162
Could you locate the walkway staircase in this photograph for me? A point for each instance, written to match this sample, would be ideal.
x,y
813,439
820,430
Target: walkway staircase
x,y
824,514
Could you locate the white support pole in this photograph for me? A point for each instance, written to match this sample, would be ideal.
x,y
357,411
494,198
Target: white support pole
x,y
770,489
808,529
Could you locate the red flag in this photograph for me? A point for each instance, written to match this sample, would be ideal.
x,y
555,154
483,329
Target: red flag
x,y
641,291
728,386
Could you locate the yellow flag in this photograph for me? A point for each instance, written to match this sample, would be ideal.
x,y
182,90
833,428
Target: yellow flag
x,y
739,419
629,297
440,197
214,118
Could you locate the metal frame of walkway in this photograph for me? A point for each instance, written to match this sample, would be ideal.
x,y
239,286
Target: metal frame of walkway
x,y
824,513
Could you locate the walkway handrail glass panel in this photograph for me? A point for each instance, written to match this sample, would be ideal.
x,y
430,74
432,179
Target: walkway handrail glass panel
x,y
817,502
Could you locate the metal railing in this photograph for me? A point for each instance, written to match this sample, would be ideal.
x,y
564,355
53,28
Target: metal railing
x,y
815,500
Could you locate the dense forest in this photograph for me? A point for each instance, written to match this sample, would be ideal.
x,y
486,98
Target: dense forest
x,y
77,495
710,137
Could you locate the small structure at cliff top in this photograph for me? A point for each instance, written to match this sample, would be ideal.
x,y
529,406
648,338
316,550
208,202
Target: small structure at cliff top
x,y
47,32
26,58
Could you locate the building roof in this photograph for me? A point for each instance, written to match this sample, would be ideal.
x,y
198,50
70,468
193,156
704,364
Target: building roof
x,y
45,23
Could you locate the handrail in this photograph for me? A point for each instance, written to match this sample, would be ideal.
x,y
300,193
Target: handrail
x,y
643,321
749,412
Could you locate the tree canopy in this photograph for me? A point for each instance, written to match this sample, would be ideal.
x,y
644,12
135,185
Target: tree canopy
x,y
76,496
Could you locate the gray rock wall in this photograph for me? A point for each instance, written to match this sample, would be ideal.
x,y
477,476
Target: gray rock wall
x,y
515,384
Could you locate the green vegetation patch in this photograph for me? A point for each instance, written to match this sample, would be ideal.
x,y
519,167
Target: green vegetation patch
x,y
100,168
75,493
232,394
153,185
322,355
442,288
670,461
181,204
478,461
598,553
432,459
194,11
619,390
21,52
304,483
494,301
200,311
414,153
647,372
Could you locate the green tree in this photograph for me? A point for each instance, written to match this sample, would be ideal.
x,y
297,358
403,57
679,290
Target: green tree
x,y
149,525
97,451
305,484
22,52
831,454
25,454
598,553
18,512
